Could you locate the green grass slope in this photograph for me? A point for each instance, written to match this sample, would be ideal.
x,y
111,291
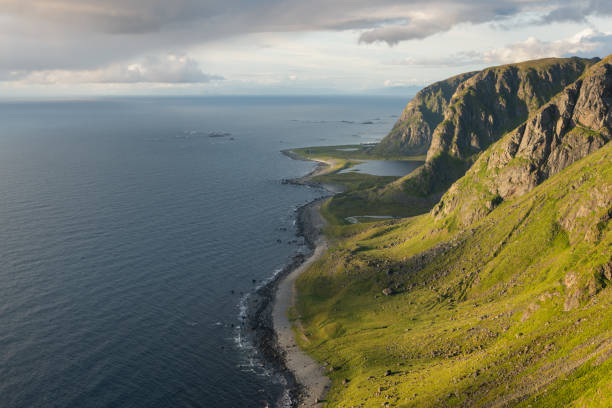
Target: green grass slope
x,y
361,195
514,310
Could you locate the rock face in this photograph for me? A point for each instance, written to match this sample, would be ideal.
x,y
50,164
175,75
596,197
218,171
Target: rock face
x,y
484,107
411,134
572,125
498,99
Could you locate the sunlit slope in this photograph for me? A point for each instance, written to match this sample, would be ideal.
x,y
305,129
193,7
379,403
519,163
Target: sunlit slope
x,y
513,309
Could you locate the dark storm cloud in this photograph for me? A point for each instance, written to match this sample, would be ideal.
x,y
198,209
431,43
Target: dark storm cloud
x,y
89,34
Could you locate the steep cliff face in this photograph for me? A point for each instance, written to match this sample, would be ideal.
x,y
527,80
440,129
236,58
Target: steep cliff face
x,y
411,134
497,100
485,107
572,125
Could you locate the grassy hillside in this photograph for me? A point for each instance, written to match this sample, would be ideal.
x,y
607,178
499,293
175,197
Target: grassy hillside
x,y
513,310
362,190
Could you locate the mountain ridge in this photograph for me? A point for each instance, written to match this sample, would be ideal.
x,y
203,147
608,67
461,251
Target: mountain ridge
x,y
411,134
572,125
483,108
500,295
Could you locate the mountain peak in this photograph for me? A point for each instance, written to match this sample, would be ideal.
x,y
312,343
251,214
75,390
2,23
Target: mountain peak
x,y
572,125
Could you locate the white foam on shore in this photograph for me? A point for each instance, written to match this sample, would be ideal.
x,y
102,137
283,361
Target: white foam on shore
x,y
253,363
241,340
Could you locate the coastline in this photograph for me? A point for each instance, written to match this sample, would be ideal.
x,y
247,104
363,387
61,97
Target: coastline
x,y
306,371
266,318
323,167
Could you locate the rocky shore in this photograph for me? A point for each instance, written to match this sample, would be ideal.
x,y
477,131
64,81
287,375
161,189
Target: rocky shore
x,y
307,180
259,321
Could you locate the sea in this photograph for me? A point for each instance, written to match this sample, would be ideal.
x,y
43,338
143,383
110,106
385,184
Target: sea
x,y
133,228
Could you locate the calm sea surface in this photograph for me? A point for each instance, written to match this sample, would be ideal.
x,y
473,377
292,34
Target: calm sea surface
x,y
124,228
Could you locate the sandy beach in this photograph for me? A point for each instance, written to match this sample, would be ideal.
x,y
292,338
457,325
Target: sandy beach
x,y
323,167
308,373
266,320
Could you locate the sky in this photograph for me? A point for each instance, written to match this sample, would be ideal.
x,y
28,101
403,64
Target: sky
x,y
235,47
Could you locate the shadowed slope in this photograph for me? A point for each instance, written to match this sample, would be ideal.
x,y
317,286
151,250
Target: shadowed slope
x,y
483,108
411,134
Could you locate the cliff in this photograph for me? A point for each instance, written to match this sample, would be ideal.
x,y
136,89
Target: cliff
x,y
483,108
572,125
411,134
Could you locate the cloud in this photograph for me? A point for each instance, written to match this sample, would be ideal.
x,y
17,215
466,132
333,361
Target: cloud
x,y
392,35
576,11
92,40
461,58
170,69
87,33
585,43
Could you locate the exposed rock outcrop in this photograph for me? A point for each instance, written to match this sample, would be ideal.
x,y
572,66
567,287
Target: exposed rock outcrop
x,y
411,134
498,99
572,125
484,107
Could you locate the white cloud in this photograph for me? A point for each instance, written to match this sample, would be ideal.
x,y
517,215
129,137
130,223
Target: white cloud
x,y
585,43
170,69
391,83
86,34
461,58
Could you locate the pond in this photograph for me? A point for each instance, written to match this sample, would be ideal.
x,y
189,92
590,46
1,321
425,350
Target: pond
x,y
396,168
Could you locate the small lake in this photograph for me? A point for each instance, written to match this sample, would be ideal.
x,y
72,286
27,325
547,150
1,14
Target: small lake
x,y
396,168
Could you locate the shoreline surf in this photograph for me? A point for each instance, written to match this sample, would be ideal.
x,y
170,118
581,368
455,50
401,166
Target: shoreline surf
x,y
266,320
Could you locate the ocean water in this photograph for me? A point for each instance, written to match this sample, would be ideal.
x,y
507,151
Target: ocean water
x,y
125,228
